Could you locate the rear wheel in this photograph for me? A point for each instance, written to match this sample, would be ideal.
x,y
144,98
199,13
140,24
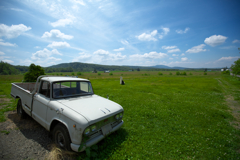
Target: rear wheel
x,y
61,136
20,111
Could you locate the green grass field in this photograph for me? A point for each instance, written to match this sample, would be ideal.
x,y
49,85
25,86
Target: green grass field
x,y
165,116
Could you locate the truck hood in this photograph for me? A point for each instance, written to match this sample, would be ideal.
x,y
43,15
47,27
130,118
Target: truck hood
x,y
93,107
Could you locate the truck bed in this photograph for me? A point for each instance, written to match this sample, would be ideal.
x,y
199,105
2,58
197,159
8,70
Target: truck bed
x,y
26,86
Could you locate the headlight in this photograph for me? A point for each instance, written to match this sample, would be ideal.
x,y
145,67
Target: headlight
x,y
117,117
87,131
93,128
121,115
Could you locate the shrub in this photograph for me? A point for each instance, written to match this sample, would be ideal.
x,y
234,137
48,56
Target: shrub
x,y
177,73
73,74
79,73
170,73
184,73
226,72
33,73
99,74
236,67
205,73
111,74
160,73
61,74
190,73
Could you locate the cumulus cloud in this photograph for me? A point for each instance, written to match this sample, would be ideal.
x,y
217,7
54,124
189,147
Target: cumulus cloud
x,y
150,55
57,34
12,31
181,31
164,32
83,56
227,58
61,22
184,59
182,54
174,50
119,49
215,40
171,58
236,41
148,37
44,54
175,55
106,56
171,49
197,49
58,45
124,42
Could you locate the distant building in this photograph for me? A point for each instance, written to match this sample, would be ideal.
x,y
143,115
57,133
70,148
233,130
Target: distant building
x,y
107,71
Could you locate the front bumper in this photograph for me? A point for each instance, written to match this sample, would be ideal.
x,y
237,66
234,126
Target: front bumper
x,y
94,140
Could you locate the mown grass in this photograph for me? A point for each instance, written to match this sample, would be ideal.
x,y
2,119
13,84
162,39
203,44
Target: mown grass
x,y
168,116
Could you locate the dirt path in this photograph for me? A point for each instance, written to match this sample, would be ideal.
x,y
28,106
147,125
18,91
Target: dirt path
x,y
233,104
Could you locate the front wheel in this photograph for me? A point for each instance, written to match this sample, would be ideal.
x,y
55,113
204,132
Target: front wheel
x,y
20,111
61,136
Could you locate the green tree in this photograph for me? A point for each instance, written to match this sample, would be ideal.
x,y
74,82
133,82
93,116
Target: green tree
x,y
236,67
33,73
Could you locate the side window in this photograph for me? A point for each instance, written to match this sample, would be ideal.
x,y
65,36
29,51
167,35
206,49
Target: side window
x,y
84,86
45,89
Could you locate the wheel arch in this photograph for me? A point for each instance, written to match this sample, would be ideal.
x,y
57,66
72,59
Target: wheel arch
x,y
57,121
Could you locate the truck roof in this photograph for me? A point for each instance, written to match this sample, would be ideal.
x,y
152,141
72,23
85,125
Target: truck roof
x,y
57,79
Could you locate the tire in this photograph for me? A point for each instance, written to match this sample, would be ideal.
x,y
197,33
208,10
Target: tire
x,y
20,111
61,136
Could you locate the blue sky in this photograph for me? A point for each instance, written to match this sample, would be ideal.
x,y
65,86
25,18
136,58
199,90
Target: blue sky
x,y
184,33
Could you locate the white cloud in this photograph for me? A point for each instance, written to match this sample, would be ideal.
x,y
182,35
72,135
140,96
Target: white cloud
x,y
12,31
228,58
236,41
182,54
16,9
61,22
55,33
171,58
175,55
83,57
1,53
124,42
164,33
7,44
101,52
106,56
37,47
215,40
44,54
148,37
181,31
119,49
151,55
58,45
197,49
184,59
169,47
174,50
8,61
79,2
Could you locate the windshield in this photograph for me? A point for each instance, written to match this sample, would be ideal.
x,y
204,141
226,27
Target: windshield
x,y
71,89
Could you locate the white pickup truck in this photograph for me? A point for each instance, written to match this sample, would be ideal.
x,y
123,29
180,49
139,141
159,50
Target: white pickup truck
x,y
69,109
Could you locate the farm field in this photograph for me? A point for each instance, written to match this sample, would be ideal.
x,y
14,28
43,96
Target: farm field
x,y
165,116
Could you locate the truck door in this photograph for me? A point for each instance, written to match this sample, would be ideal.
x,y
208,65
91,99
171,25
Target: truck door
x,y
40,103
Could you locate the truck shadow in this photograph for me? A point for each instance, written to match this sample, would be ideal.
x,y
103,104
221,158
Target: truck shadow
x,y
33,131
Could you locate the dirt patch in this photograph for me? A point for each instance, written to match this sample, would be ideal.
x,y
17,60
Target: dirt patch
x,y
235,110
26,139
